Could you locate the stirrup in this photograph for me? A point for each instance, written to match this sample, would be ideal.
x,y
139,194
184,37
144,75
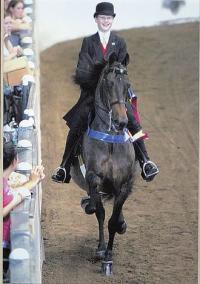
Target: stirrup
x,y
64,170
154,173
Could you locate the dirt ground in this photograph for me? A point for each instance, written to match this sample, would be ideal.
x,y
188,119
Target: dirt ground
x,y
160,245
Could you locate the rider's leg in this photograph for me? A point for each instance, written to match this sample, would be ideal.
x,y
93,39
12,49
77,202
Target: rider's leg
x,y
149,169
79,125
62,173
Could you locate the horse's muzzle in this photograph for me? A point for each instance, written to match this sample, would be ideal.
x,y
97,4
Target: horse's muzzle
x,y
121,124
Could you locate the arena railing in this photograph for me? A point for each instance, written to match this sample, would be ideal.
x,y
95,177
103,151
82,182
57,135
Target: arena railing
x,y
27,253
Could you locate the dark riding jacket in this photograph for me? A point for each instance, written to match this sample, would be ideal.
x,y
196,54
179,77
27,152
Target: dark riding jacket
x,y
77,116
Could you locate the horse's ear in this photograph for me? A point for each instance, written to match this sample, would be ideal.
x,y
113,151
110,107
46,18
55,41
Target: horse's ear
x,y
126,60
112,58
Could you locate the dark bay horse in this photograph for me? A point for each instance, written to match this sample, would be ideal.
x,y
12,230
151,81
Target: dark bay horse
x,y
108,155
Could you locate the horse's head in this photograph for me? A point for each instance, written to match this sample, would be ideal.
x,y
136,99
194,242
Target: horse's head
x,y
114,86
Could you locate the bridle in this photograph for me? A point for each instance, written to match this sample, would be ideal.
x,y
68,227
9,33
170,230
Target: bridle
x,y
117,70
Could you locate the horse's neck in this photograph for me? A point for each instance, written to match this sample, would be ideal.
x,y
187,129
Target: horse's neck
x,y
101,121
102,118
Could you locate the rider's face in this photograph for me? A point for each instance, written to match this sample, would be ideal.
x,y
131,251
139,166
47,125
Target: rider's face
x,y
104,23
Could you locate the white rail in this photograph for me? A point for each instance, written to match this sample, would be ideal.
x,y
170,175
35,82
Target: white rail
x,y
25,219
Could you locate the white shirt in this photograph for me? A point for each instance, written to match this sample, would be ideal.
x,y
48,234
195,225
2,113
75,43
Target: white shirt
x,y
104,38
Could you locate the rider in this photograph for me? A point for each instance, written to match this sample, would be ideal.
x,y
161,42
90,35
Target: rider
x,y
99,46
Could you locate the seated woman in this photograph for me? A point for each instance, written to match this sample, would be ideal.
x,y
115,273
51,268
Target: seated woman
x,y
9,51
12,199
19,25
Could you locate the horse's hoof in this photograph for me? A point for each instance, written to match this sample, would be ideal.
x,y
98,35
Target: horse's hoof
x,y
123,228
106,267
100,254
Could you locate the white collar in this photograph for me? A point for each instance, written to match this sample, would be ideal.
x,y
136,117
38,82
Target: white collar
x,y
104,37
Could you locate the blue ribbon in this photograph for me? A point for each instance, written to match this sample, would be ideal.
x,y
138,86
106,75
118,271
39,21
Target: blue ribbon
x,y
117,138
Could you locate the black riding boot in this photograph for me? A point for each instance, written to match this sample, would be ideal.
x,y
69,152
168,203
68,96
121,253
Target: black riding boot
x,y
149,169
62,173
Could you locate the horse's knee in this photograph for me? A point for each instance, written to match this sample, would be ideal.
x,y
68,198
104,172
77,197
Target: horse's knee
x,y
117,226
122,228
92,179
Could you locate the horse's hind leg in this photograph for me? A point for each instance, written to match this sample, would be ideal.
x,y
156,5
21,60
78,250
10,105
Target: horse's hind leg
x,y
115,220
100,214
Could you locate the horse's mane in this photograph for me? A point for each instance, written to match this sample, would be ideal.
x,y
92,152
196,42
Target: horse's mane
x,y
87,72
87,78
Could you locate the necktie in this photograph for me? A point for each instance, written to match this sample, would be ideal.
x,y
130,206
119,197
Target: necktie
x,y
104,43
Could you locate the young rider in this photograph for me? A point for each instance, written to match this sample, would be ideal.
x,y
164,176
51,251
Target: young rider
x,y
98,47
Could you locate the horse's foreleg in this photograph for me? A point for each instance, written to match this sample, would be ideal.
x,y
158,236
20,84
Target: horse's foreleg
x,y
122,226
115,220
100,214
93,181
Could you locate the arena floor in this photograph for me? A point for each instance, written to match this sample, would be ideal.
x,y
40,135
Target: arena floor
x,y
160,245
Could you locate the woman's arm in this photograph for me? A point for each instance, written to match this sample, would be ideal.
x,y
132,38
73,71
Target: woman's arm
x,y
18,25
17,199
20,193
36,176
13,51
10,56
8,45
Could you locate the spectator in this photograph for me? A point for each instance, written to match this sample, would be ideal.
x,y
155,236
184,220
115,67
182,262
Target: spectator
x,y
12,199
9,52
19,25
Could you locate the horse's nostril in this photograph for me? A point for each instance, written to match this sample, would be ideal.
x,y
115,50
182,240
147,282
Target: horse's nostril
x,y
123,123
116,122
120,124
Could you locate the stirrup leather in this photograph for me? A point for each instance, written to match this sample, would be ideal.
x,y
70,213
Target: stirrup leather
x,y
154,165
60,168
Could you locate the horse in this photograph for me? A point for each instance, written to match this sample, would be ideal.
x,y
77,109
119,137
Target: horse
x,y
109,156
